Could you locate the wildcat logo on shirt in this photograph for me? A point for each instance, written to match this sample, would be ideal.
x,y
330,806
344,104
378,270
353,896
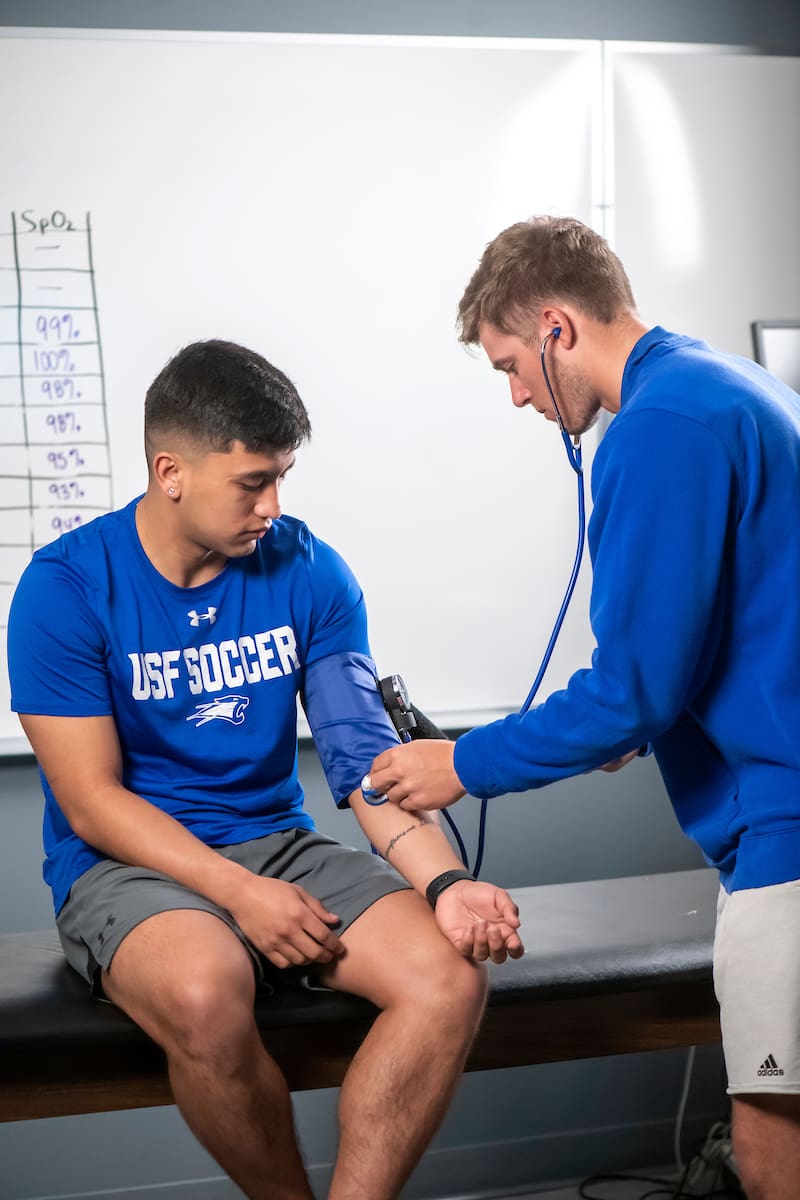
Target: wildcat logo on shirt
x,y
214,667
224,708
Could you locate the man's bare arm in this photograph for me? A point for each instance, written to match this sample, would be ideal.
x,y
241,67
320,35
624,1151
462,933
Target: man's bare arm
x,y
81,758
480,919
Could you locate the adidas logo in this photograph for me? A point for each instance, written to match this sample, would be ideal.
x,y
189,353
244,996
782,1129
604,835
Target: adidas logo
x,y
769,1067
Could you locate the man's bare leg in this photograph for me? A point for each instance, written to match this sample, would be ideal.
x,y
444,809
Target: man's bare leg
x,y
186,979
400,1082
766,1145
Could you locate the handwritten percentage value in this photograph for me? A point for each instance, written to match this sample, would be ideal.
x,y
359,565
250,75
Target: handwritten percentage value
x,y
63,422
66,460
58,328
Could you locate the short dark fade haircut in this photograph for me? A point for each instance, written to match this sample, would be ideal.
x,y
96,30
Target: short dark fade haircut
x,y
538,262
216,393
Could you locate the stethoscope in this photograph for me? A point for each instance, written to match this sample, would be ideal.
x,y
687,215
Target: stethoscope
x,y
575,459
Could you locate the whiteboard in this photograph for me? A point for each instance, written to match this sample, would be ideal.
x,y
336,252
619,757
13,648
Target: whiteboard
x,y
323,200
707,188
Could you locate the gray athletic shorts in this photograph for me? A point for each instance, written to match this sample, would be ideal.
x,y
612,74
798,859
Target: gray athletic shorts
x,y
757,980
111,899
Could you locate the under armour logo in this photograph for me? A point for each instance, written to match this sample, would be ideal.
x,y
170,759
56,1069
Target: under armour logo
x,y
195,617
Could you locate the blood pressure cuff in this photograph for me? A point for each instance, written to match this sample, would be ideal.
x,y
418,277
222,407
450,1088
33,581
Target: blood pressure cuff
x,y
348,720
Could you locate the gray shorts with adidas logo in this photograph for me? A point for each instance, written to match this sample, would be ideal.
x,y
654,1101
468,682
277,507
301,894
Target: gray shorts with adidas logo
x,y
757,981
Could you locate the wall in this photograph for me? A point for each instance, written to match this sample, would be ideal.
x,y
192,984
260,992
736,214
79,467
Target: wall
x,y
505,1128
771,25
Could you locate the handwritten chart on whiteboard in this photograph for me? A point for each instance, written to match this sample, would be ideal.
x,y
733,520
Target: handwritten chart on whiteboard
x,y
55,470
55,467
323,200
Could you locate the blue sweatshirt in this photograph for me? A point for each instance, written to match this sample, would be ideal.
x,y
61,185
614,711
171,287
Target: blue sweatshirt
x,y
695,546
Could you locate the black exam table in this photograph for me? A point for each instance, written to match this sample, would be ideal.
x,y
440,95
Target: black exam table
x,y
612,966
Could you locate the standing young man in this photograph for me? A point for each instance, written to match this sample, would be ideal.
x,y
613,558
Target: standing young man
x,y
695,545
156,655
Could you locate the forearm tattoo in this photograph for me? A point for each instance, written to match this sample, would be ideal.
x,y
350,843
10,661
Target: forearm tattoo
x,y
402,834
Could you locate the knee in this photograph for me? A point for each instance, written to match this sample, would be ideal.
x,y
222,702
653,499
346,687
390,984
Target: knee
x,y
749,1167
468,982
468,988
450,984
766,1144
209,1015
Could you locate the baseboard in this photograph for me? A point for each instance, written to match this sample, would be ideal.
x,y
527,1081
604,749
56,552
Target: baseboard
x,y
491,1169
474,1172
214,1188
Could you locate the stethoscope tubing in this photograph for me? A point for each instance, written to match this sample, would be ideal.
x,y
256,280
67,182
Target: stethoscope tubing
x,y
575,459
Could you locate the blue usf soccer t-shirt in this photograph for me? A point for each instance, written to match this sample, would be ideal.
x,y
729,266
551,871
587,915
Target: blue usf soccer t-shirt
x,y
202,682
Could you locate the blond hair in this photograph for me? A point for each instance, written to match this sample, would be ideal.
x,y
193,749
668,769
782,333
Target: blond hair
x,y
540,261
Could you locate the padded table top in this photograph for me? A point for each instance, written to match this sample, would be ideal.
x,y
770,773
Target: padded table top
x,y
612,935
595,937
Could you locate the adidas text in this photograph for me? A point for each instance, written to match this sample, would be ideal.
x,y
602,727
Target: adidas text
x,y
769,1067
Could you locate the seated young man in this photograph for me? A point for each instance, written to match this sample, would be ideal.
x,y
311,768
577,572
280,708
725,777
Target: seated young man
x,y
161,706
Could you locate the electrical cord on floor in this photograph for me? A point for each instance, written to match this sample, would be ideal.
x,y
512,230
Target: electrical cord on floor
x,y
611,1177
687,1082
712,1158
709,1172
664,1187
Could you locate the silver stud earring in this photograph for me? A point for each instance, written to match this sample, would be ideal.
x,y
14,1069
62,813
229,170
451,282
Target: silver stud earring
x,y
170,491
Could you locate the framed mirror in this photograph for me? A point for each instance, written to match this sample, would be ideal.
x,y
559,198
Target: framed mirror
x,y
776,346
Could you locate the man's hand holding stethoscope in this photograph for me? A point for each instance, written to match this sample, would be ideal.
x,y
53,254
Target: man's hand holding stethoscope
x,y
417,776
420,776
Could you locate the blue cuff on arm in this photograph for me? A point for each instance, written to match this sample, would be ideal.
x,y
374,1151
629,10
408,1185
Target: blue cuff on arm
x,y
347,718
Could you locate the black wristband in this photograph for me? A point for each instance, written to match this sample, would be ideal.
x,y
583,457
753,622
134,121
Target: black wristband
x,y
442,882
